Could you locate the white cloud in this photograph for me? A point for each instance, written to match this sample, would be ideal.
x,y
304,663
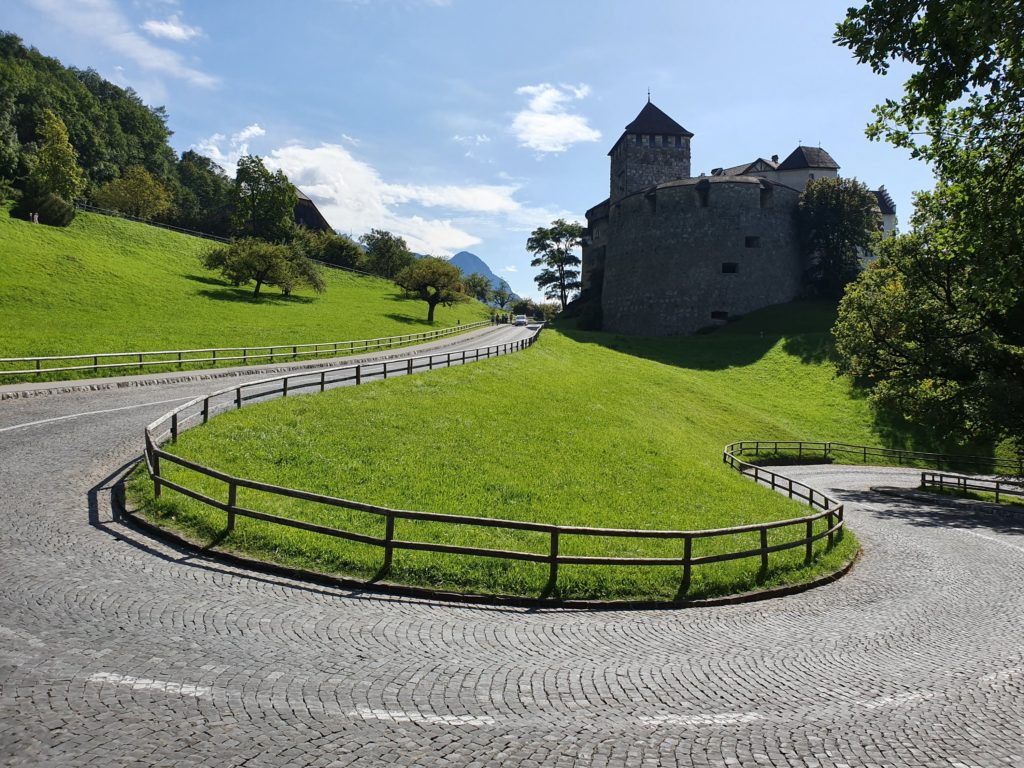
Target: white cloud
x,y
509,268
472,141
171,28
224,150
546,124
104,23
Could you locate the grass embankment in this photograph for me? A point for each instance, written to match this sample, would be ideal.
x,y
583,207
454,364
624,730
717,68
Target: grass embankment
x,y
108,285
582,429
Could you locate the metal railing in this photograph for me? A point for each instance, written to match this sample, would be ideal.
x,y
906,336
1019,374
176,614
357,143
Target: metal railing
x,y
199,411
964,483
220,355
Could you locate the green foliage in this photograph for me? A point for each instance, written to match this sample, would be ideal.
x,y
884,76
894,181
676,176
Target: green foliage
x,y
257,261
330,248
554,248
263,202
117,286
54,210
386,254
477,286
433,280
55,165
136,193
202,196
501,296
637,447
945,308
837,219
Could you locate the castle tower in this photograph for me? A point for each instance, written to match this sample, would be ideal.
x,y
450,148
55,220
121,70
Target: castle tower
x,y
653,149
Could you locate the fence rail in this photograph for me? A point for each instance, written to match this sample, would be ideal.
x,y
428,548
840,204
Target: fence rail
x,y
200,410
215,356
901,456
963,483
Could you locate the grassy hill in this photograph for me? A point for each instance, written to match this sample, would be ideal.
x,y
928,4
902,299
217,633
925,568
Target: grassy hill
x,y
108,285
583,428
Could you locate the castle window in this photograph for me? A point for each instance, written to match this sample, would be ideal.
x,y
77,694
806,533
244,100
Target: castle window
x,y
719,315
730,267
752,241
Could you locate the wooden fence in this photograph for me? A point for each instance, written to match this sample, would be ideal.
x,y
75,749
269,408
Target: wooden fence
x,y
964,483
216,356
200,410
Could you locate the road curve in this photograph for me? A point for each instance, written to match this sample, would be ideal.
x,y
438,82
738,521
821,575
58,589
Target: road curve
x,y
116,649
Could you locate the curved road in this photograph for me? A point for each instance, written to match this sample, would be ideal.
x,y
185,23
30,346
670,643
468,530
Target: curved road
x,y
117,650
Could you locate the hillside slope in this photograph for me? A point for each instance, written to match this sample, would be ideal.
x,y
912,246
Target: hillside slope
x,y
108,285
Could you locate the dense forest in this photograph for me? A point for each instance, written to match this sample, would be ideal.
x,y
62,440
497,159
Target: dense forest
x,y
115,138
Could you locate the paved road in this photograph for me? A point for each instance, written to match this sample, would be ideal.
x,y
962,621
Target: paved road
x,y
118,650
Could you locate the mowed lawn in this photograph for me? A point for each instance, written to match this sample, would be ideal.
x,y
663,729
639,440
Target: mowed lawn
x,y
108,285
582,429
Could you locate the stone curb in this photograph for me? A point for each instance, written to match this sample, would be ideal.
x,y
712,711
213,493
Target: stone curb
x,y
390,589
12,391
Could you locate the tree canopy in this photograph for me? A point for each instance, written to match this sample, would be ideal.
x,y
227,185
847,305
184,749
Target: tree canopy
x,y
837,219
433,280
936,328
386,254
55,164
478,286
263,201
555,248
251,260
136,193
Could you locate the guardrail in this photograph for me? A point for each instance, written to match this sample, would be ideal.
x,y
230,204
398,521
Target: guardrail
x,y
963,483
216,356
200,410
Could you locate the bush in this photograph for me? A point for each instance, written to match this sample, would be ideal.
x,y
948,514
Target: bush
x,y
52,209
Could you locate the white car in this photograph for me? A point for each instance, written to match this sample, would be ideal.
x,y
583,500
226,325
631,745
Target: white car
x,y
519,320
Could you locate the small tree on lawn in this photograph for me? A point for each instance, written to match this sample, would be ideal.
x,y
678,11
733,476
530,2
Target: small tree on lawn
x,y
837,219
554,247
251,260
136,193
501,296
477,286
386,254
433,280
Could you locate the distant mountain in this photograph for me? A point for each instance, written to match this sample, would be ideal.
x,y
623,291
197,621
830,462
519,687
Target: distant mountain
x,y
470,263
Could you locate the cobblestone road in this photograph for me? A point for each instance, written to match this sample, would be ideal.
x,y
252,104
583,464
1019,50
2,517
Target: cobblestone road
x,y
118,650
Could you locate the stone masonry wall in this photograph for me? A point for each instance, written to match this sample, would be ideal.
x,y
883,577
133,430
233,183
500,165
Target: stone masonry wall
x,y
637,165
672,262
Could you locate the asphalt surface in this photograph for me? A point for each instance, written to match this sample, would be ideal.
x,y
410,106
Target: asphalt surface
x,y
116,649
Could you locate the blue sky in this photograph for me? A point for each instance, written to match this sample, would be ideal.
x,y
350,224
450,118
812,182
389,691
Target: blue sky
x,y
464,124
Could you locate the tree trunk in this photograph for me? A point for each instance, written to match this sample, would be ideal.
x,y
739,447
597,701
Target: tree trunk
x,y
430,311
256,292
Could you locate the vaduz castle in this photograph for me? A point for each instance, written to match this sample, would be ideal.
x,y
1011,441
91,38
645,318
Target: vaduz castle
x,y
672,254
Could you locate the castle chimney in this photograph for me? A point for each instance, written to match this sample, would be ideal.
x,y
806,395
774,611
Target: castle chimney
x,y
775,158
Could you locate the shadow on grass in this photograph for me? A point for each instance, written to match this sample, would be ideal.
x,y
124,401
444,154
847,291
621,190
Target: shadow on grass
x,y
207,280
244,296
407,320
804,329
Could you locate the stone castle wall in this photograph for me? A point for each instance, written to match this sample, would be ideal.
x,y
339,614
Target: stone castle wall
x,y
691,253
641,161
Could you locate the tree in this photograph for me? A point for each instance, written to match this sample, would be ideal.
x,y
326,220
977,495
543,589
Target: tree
x,y
837,219
55,170
554,247
501,296
433,280
264,202
136,193
252,260
943,310
202,197
477,286
386,254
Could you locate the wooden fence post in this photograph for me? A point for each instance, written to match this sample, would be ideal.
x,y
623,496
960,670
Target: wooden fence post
x,y
206,409
764,550
359,374
389,536
323,380
174,427
687,565
156,474
232,503
553,563
238,397
809,555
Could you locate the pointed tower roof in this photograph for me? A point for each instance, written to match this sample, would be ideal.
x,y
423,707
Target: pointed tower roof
x,y
808,157
653,120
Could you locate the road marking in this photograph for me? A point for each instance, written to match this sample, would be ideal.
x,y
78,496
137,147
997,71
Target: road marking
x,y
709,718
147,684
415,717
92,413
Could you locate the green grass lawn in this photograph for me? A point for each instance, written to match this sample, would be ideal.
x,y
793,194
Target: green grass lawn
x,y
582,429
109,285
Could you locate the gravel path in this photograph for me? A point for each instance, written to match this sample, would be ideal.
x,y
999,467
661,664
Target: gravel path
x,y
118,650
